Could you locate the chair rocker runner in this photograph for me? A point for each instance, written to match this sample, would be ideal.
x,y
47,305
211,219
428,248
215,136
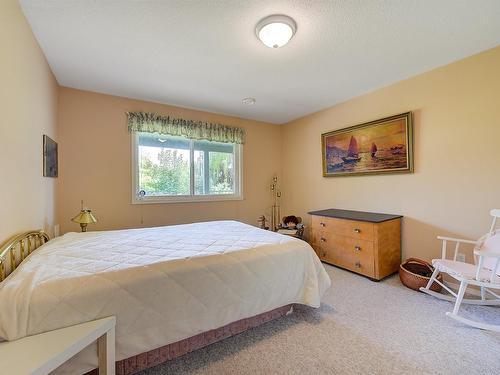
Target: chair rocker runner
x,y
485,274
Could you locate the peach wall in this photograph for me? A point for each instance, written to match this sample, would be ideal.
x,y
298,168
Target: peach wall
x,y
28,97
95,165
457,155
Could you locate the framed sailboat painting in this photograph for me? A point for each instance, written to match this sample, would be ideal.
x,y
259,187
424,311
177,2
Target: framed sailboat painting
x,y
375,147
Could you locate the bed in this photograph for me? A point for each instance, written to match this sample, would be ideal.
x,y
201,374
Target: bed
x,y
178,286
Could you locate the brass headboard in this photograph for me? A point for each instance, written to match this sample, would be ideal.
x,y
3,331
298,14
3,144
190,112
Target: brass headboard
x,y
15,250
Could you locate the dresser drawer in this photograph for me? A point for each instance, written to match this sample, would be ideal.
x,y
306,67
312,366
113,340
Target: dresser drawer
x,y
354,255
349,228
325,253
350,253
342,243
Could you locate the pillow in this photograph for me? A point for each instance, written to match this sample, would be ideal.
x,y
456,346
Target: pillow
x,y
491,243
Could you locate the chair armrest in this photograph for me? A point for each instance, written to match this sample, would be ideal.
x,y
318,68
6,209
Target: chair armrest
x,y
457,240
491,254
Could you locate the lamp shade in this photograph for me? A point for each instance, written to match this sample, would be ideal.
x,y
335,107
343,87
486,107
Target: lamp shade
x,y
84,217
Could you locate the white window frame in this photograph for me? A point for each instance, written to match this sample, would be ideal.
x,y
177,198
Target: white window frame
x,y
238,181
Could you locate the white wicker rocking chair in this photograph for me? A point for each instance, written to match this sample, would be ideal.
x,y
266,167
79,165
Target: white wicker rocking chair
x,y
485,273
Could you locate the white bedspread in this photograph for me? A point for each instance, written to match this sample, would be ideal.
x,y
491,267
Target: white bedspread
x,y
163,284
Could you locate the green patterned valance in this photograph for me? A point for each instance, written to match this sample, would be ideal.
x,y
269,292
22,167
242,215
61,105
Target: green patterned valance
x,y
153,123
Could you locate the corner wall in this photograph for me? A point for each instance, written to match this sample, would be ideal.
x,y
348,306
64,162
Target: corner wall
x,y
28,97
457,155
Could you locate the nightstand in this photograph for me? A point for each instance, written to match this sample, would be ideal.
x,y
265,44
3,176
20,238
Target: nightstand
x,y
40,354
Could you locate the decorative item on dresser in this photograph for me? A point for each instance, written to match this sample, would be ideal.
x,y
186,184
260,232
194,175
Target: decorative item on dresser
x,y
291,226
363,242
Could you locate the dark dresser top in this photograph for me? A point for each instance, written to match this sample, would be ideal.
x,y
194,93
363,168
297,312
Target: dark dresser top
x,y
372,217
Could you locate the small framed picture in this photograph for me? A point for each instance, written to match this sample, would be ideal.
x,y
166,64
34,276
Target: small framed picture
x,y
49,157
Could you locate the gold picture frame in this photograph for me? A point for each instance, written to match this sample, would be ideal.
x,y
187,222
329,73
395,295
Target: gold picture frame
x,y
376,147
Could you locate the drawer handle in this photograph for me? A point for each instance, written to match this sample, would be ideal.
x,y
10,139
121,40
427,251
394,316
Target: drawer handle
x,y
357,248
322,239
357,230
323,254
358,265
322,224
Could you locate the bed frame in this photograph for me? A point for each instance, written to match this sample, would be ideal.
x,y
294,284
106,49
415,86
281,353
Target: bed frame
x,y
151,358
16,249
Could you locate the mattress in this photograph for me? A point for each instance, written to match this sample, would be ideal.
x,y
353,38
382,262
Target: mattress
x,y
163,284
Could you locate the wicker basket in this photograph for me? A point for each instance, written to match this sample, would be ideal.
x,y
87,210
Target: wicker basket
x,y
413,274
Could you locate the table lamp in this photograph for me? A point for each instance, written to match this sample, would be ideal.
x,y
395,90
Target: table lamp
x,y
84,218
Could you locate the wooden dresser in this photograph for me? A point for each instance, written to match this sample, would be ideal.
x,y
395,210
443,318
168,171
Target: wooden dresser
x,y
363,242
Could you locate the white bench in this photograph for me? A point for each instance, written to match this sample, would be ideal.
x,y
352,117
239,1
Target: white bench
x,y
43,353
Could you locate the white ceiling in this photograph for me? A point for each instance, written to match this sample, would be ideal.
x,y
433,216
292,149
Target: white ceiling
x,y
203,54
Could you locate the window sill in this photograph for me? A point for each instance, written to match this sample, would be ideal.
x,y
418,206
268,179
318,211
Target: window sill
x,y
186,199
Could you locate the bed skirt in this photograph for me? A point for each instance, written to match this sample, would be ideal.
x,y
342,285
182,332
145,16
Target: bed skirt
x,y
165,353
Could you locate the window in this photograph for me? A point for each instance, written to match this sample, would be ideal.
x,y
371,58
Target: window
x,y
177,169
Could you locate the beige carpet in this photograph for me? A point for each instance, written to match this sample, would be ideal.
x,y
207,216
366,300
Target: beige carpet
x,y
362,327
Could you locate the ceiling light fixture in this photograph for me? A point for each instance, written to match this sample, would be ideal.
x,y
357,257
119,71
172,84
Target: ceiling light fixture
x,y
248,101
275,31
